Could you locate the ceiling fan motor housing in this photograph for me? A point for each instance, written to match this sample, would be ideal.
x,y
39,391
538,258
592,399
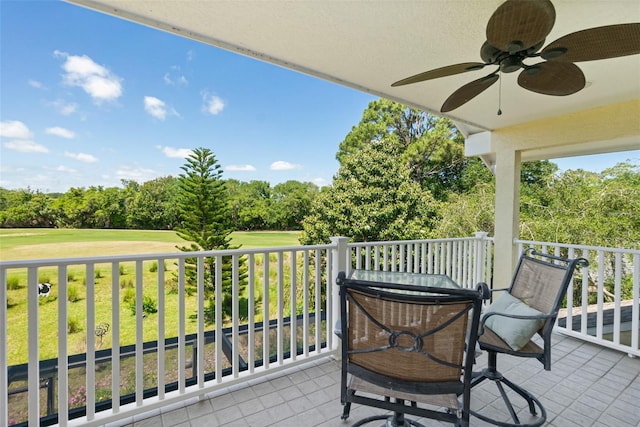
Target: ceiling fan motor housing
x,y
511,63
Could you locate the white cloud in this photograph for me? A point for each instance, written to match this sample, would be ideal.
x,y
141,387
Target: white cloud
x,y
155,107
137,174
320,182
190,55
175,153
61,132
240,168
175,77
64,108
212,104
36,84
281,165
15,129
65,169
25,146
82,157
97,81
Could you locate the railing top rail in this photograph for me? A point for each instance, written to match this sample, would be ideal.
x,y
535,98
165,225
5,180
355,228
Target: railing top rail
x,y
576,246
153,256
395,242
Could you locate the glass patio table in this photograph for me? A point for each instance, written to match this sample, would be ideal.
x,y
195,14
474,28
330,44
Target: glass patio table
x,y
389,279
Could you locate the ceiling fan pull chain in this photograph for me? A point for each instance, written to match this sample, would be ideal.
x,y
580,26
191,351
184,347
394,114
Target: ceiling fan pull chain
x,y
500,97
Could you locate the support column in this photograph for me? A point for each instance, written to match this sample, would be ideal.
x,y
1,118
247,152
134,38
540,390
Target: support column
x,y
339,259
507,215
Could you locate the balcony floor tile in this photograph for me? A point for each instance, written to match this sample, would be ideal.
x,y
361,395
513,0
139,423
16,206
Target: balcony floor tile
x,y
587,386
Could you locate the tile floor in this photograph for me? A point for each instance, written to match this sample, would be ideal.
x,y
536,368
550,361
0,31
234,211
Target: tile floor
x,y
587,386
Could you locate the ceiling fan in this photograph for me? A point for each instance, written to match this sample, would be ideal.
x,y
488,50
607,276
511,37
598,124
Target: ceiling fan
x,y
515,32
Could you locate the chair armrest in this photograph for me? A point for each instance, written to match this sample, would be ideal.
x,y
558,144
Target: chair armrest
x,y
483,290
513,316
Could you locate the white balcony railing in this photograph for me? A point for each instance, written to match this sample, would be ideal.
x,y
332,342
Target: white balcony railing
x,y
133,363
605,299
466,260
284,317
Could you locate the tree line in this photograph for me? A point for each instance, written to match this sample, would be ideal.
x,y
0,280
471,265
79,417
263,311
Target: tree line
x,y
153,205
402,175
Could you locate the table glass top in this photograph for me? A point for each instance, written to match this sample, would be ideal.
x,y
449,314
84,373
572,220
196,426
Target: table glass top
x,y
415,279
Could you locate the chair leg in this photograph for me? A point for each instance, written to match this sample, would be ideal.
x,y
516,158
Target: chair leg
x,y
491,373
395,420
345,410
390,421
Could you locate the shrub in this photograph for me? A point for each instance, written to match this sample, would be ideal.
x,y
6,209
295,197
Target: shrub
x,y
70,276
149,305
73,325
126,283
129,295
154,266
121,269
172,285
79,398
43,278
72,294
13,283
97,273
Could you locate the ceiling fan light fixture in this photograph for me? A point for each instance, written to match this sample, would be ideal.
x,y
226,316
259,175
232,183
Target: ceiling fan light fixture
x,y
515,47
510,64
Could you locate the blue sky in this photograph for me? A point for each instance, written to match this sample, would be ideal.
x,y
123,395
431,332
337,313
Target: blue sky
x,y
88,99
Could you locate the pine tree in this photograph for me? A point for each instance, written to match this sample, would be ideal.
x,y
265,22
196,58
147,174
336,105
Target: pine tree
x,y
203,204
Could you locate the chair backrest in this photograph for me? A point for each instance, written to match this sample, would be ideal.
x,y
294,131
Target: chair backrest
x,y
414,342
541,281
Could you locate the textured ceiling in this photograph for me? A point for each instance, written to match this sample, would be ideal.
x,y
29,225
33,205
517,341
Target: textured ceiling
x,y
367,45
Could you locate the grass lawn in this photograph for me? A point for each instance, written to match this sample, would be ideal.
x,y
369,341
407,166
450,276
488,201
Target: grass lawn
x,y
36,243
20,244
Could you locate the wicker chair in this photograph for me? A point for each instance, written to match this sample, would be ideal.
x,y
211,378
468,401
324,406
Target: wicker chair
x,y
511,323
403,350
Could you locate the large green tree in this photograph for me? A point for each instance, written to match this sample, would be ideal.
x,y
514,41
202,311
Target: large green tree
x,y
250,204
291,203
152,205
372,198
600,209
27,208
431,147
203,204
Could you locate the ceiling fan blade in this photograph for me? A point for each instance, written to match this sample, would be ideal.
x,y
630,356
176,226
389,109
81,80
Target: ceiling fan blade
x,y
468,92
518,25
449,70
552,78
591,44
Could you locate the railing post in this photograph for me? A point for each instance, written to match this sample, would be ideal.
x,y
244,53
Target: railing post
x,y
480,256
339,257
